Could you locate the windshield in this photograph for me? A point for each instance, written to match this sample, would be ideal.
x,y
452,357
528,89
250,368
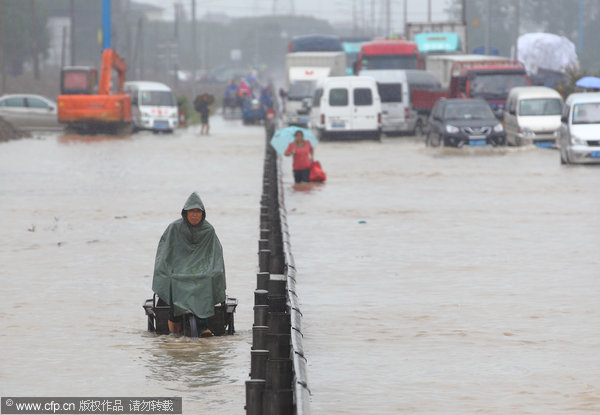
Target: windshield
x,y
390,92
390,62
546,106
300,90
157,98
495,85
473,111
588,113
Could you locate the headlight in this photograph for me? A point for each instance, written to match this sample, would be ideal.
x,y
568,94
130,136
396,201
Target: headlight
x,y
498,128
578,141
450,129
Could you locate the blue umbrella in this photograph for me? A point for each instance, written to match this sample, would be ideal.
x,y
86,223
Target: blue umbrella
x,y
282,138
589,82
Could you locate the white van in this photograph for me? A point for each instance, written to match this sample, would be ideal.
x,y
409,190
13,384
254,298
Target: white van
x,y
579,137
153,106
346,107
532,116
396,113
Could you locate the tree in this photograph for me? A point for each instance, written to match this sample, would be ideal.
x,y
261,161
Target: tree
x,y
17,41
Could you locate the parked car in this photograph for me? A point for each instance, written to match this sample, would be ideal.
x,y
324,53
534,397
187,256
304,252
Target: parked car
x,y
459,122
579,137
532,116
30,112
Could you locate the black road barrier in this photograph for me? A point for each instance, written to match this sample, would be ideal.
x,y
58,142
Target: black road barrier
x,y
278,384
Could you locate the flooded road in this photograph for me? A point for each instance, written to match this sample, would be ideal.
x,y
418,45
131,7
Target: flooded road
x,y
431,281
448,282
81,220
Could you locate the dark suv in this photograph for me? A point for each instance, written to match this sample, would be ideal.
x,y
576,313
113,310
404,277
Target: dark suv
x,y
464,122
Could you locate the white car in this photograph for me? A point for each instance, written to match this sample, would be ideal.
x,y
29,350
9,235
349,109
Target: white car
x,y
30,112
579,139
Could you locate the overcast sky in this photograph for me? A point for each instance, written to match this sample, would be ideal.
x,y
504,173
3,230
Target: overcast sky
x,y
333,10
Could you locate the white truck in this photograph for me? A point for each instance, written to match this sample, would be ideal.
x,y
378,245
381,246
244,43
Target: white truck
x,y
303,70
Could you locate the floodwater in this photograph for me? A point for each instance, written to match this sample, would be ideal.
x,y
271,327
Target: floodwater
x,y
435,281
431,281
81,219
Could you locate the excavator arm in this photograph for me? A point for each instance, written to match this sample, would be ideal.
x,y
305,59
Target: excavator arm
x,y
111,60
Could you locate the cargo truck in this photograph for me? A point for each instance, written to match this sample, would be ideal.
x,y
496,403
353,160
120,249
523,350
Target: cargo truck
x,y
303,70
471,76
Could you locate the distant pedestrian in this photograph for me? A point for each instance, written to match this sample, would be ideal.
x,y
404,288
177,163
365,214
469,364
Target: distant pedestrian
x,y
303,154
283,98
202,106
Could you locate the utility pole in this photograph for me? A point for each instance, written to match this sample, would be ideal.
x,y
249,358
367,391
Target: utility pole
x,y
405,16
63,49
428,11
2,61
488,22
34,41
72,31
464,21
517,29
388,18
194,49
372,18
354,18
580,41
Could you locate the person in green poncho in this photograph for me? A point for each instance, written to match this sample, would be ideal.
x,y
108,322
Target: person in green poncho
x,y
189,271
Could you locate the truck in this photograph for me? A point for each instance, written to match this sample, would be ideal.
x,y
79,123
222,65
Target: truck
x,y
303,70
471,76
388,54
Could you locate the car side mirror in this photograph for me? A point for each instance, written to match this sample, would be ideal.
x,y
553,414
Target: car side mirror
x,y
51,108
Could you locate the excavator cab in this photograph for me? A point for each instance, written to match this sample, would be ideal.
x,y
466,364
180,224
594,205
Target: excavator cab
x,y
78,80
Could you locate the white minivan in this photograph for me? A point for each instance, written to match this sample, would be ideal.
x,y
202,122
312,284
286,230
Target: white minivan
x,y
346,107
153,106
396,113
579,137
532,116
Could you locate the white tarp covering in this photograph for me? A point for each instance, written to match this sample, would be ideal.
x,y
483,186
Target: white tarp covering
x,y
546,51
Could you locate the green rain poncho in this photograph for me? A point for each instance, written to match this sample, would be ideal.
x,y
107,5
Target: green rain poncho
x,y
189,264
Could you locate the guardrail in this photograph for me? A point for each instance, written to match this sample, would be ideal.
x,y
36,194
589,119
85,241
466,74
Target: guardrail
x,y
278,382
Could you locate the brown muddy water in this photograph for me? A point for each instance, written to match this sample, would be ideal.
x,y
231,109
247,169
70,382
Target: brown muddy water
x,y
431,281
81,219
435,281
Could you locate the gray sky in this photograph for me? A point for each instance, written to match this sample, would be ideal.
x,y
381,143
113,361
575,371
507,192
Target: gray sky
x,y
333,10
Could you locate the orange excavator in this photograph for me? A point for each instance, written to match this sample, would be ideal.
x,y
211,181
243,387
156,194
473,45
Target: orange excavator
x,y
85,108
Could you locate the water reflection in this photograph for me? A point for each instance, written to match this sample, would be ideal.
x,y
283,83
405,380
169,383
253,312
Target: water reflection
x,y
192,362
71,138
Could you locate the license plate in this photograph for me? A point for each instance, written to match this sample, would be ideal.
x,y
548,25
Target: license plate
x,y
545,144
304,120
477,143
161,125
338,125
595,154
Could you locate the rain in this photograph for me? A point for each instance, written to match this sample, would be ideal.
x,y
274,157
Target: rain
x,y
441,205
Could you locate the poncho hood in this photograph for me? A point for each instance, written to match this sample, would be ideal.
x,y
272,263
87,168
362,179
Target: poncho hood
x,y
189,271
